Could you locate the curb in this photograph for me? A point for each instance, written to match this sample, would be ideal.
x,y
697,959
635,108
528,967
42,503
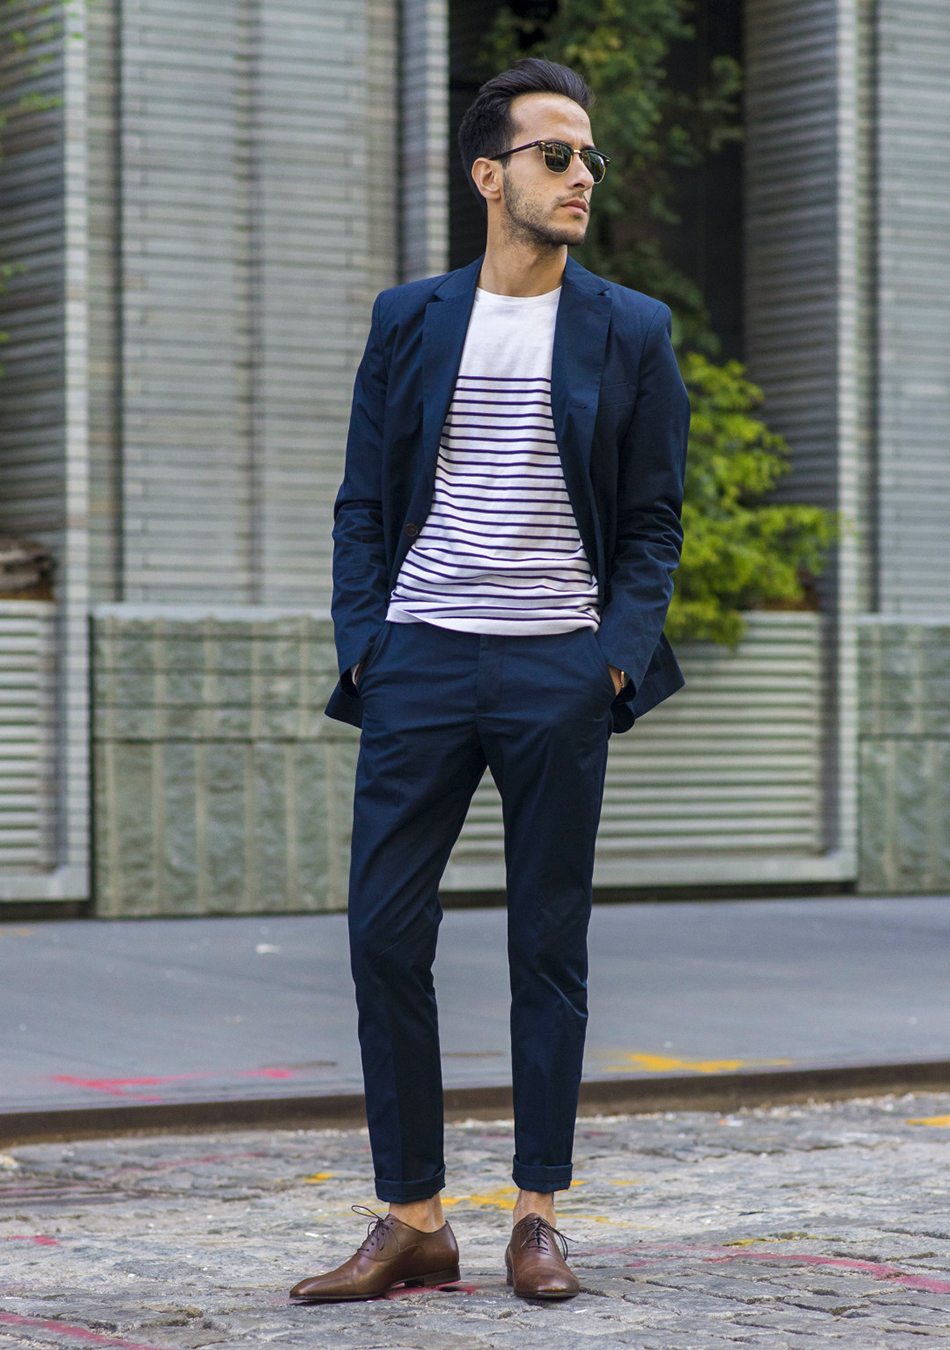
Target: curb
x,y
613,1096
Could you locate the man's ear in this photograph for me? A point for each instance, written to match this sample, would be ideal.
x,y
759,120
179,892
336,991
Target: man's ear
x,y
486,175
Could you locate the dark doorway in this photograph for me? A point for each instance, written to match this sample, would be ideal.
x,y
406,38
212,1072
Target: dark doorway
x,y
707,245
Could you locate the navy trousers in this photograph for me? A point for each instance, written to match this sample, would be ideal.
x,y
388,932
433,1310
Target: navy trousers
x,y
438,706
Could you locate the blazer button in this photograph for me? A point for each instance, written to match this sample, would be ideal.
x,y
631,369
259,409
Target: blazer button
x,y
411,530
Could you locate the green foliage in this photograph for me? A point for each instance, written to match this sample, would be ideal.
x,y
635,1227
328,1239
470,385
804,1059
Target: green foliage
x,y
646,126
741,550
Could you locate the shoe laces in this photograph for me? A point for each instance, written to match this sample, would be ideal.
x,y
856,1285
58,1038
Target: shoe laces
x,y
377,1230
540,1227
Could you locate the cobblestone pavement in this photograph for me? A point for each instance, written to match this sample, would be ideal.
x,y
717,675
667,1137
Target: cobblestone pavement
x,y
792,1227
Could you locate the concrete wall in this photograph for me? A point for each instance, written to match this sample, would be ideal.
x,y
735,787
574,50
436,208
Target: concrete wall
x,y
220,787
905,755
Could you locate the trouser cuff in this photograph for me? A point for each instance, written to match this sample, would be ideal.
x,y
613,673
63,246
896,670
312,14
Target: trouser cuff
x,y
405,1192
543,1179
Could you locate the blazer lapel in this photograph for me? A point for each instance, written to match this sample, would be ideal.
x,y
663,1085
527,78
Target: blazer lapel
x,y
580,338
443,337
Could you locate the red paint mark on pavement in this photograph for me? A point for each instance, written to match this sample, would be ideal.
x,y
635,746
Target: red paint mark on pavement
x,y
116,1087
75,1333
893,1274
712,1255
39,1241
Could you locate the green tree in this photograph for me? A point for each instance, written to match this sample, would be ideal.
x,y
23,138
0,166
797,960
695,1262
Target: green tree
x,y
647,126
742,550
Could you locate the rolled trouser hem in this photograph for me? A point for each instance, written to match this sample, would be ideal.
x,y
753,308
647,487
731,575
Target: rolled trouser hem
x,y
543,1179
405,1192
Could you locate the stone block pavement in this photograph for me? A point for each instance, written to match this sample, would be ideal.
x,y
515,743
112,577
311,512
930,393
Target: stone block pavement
x,y
798,1226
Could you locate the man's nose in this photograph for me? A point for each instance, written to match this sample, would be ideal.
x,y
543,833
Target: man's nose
x,y
580,175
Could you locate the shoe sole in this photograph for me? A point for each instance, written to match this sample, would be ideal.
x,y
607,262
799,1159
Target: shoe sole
x,y
437,1277
520,1293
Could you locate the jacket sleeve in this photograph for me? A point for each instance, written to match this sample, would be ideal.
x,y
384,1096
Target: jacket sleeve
x,y
360,571
650,500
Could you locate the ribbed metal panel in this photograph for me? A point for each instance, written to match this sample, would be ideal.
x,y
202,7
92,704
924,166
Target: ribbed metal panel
x,y
424,139
791,223
913,171
324,222
32,236
723,781
257,222
44,816
807,311
27,804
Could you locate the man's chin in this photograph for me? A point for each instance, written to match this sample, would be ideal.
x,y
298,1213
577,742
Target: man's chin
x,y
568,234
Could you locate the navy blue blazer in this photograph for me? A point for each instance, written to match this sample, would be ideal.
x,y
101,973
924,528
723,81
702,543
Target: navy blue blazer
x,y
621,416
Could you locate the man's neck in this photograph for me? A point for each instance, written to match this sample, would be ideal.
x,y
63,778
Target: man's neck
x,y
522,270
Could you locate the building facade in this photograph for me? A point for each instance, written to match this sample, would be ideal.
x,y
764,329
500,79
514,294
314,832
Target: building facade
x,y
199,216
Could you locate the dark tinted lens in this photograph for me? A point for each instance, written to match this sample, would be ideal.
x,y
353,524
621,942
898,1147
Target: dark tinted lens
x,y
557,156
594,164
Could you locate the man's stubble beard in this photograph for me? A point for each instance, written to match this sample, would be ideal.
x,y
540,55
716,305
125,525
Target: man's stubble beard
x,y
525,222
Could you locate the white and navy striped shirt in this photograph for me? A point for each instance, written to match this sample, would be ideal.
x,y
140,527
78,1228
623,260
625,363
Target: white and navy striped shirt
x,y
500,551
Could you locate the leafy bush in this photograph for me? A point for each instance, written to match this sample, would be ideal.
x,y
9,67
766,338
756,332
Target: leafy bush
x,y
741,550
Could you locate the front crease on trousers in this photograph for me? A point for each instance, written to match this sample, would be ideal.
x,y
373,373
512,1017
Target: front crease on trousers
x,y
438,707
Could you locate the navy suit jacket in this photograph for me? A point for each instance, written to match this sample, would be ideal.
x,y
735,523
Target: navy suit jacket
x,y
621,417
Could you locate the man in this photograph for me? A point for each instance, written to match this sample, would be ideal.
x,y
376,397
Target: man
x,y
504,541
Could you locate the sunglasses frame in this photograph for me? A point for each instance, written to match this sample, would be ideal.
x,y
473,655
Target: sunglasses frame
x,y
585,150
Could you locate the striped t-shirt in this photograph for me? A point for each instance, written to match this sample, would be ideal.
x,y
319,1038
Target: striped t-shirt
x,y
500,551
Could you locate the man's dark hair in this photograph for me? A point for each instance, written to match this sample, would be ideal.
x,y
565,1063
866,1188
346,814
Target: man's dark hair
x,y
488,127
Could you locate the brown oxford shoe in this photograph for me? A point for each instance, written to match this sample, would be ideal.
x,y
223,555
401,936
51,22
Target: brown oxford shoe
x,y
392,1254
535,1261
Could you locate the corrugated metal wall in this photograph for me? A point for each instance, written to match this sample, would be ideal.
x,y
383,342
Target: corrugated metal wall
x,y
807,311
32,239
27,751
913,173
424,138
791,136
43,410
253,219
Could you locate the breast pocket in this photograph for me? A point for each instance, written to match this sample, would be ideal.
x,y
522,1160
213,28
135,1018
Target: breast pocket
x,y
624,392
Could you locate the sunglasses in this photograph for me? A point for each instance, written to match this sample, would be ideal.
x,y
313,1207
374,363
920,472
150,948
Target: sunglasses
x,y
559,156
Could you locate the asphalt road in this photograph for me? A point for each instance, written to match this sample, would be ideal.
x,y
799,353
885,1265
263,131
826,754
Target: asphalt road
x,y
98,1013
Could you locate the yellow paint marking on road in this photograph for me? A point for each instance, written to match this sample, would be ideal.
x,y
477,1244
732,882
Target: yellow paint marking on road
x,y
636,1182
317,1178
568,1216
664,1063
504,1198
931,1120
498,1199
